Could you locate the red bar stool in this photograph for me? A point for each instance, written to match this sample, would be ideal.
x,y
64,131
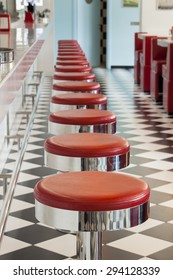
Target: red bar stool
x,y
69,47
84,77
90,203
70,53
86,151
145,63
74,68
158,59
71,57
79,120
84,63
64,87
71,42
70,50
167,73
78,100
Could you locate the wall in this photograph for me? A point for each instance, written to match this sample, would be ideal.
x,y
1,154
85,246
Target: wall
x,y
88,29
78,20
47,51
120,33
157,21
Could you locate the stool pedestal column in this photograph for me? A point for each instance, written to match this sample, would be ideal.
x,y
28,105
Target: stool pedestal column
x,y
89,245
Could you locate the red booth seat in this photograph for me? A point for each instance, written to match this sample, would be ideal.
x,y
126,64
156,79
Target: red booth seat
x,y
137,51
158,58
145,63
167,73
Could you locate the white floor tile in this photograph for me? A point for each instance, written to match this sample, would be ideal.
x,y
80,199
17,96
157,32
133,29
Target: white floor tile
x,y
10,244
15,223
159,164
155,155
140,244
65,245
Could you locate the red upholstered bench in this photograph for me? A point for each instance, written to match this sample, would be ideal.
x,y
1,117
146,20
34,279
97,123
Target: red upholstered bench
x,y
86,151
84,63
79,120
89,203
63,87
74,68
78,100
84,77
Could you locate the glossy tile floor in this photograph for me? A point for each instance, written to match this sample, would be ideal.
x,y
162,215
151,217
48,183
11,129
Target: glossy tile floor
x,y
149,131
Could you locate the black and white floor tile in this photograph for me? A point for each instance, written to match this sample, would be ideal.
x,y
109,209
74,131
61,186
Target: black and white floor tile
x,y
149,131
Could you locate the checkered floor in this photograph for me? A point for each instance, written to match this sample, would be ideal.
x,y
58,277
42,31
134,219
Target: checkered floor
x,y
149,131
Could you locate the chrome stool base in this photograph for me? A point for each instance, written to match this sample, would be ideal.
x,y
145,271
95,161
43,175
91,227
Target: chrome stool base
x,y
71,164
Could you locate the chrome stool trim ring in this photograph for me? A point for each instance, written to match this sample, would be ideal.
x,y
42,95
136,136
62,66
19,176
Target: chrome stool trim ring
x,y
67,80
70,164
59,107
58,129
91,221
57,92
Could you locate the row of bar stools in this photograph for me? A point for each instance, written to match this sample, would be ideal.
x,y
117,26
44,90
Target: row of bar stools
x,y
83,200
79,120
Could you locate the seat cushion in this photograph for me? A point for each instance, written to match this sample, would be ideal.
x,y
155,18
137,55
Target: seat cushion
x,y
76,86
74,68
92,191
82,117
87,145
74,76
79,98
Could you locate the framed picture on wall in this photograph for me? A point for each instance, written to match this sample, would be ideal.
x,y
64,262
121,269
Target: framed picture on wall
x,y
130,3
164,4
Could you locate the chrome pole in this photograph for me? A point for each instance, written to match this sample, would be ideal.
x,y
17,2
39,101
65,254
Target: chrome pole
x,y
89,245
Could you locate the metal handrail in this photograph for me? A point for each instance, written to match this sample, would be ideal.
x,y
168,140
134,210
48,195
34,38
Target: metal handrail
x,y
11,188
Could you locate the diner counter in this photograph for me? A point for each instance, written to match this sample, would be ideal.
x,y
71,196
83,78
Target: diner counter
x,y
26,40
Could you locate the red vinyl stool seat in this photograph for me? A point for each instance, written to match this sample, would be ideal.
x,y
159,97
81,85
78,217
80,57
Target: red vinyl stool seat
x,y
69,47
71,57
89,203
86,151
78,100
63,87
72,62
70,42
84,77
70,53
79,120
74,68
